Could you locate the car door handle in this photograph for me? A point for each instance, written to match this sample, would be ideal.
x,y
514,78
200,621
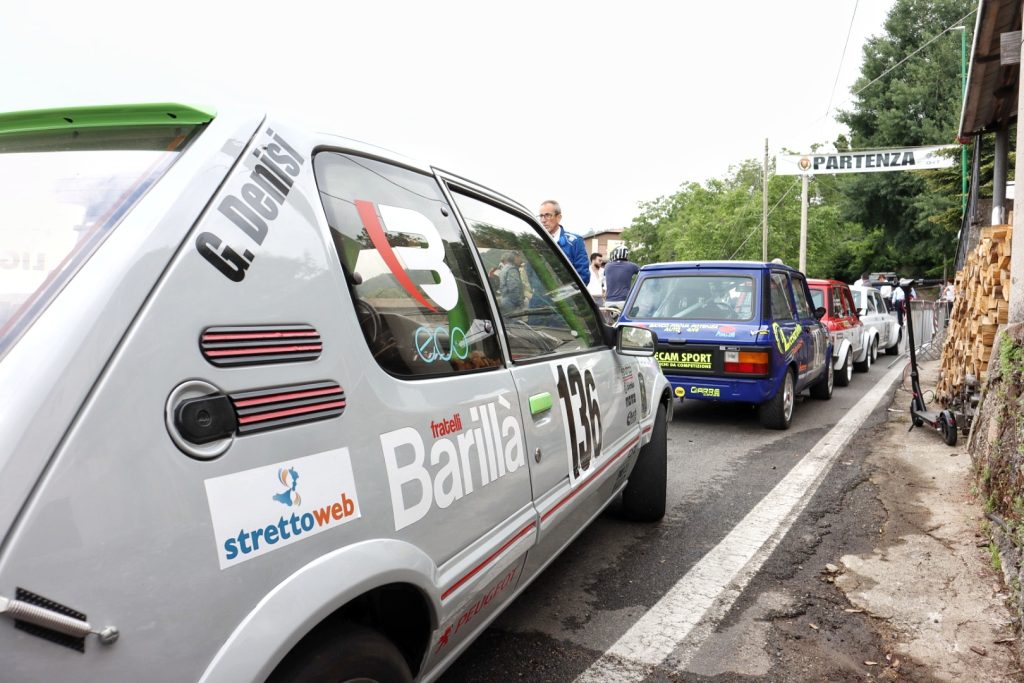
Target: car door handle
x,y
540,403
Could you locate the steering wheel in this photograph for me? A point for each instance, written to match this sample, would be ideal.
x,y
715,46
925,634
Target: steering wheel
x,y
369,320
717,306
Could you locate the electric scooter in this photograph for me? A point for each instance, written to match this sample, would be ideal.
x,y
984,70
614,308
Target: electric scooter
x,y
943,421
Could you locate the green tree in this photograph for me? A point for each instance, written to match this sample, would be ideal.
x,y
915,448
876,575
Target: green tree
x,y
904,99
721,220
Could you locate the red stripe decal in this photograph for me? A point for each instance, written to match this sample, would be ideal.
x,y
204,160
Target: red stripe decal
x,y
262,349
592,478
261,417
286,397
490,559
368,214
224,336
647,429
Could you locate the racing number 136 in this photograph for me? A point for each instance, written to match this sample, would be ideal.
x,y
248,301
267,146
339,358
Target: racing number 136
x,y
579,397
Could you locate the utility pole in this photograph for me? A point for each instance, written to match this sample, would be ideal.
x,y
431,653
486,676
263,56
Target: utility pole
x,y
803,225
764,205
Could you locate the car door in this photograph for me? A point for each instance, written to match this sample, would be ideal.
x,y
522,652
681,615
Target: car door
x,y
579,398
814,339
855,326
442,428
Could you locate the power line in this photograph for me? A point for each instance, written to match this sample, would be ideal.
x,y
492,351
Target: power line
x,y
944,31
842,59
758,227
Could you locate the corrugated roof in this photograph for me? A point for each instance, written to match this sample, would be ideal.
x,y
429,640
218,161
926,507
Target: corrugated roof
x,y
991,87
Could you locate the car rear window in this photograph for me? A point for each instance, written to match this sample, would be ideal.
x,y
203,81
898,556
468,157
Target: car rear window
x,y
63,192
695,297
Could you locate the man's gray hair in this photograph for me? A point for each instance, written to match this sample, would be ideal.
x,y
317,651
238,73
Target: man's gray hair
x,y
552,202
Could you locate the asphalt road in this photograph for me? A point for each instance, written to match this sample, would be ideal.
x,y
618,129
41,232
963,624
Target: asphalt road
x,y
722,464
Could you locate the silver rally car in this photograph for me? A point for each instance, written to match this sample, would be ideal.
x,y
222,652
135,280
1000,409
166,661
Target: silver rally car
x,y
283,406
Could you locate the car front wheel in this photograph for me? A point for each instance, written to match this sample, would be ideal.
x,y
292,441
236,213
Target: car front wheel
x,y
822,389
845,373
349,653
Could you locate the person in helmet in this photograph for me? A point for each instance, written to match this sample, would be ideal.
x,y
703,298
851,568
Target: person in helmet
x,y
618,277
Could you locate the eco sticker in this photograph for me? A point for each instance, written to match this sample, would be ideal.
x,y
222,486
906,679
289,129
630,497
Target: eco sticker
x,y
258,511
680,392
786,343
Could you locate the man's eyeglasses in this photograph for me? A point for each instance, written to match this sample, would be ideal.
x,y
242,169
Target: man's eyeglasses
x,y
547,215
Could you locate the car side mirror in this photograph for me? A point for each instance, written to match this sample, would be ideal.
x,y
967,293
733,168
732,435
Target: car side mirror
x,y
819,312
634,341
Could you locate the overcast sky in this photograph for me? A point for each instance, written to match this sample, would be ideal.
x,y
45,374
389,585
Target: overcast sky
x,y
600,105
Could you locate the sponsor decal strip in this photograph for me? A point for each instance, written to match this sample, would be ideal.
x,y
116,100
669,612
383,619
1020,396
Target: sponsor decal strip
x,y
476,570
593,477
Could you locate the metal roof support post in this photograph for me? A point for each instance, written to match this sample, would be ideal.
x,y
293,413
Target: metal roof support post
x,y
999,174
1017,245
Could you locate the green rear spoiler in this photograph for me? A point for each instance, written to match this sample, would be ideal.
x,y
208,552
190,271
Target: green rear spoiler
x,y
105,116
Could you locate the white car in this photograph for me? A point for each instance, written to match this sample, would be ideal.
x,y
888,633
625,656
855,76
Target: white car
x,y
880,324
209,320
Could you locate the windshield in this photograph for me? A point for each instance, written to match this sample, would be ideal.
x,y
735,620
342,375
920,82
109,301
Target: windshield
x,y
818,297
695,297
63,191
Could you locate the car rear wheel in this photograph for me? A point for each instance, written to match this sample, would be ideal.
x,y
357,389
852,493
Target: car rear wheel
x,y
845,373
643,499
822,389
894,350
777,412
346,654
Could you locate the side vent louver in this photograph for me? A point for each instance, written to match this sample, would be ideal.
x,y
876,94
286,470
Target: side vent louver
x,y
286,406
261,344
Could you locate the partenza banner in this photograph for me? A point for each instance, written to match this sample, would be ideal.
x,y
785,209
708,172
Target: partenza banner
x,y
868,161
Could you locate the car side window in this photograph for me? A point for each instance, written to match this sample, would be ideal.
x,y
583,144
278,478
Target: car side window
x,y
803,306
837,304
848,303
782,308
543,308
869,303
418,295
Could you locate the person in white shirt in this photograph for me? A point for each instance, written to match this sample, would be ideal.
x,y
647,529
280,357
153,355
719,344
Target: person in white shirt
x,y
596,284
885,290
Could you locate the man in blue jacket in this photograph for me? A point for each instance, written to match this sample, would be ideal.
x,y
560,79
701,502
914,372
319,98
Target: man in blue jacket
x,y
572,244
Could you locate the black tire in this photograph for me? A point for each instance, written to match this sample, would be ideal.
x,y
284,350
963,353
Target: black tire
x,y
864,365
350,652
777,412
894,350
948,431
643,499
845,373
822,389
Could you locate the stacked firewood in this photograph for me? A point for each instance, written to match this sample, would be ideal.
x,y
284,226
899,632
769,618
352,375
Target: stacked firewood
x,y
982,304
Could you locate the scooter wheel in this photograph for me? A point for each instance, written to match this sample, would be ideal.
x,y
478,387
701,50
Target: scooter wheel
x,y
948,431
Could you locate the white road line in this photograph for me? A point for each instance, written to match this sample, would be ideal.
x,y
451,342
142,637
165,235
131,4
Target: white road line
x,y
713,584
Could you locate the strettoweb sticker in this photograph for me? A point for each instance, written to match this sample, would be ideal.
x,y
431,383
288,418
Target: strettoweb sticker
x,y
260,510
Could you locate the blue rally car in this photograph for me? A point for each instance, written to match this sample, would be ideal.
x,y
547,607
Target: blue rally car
x,y
735,331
